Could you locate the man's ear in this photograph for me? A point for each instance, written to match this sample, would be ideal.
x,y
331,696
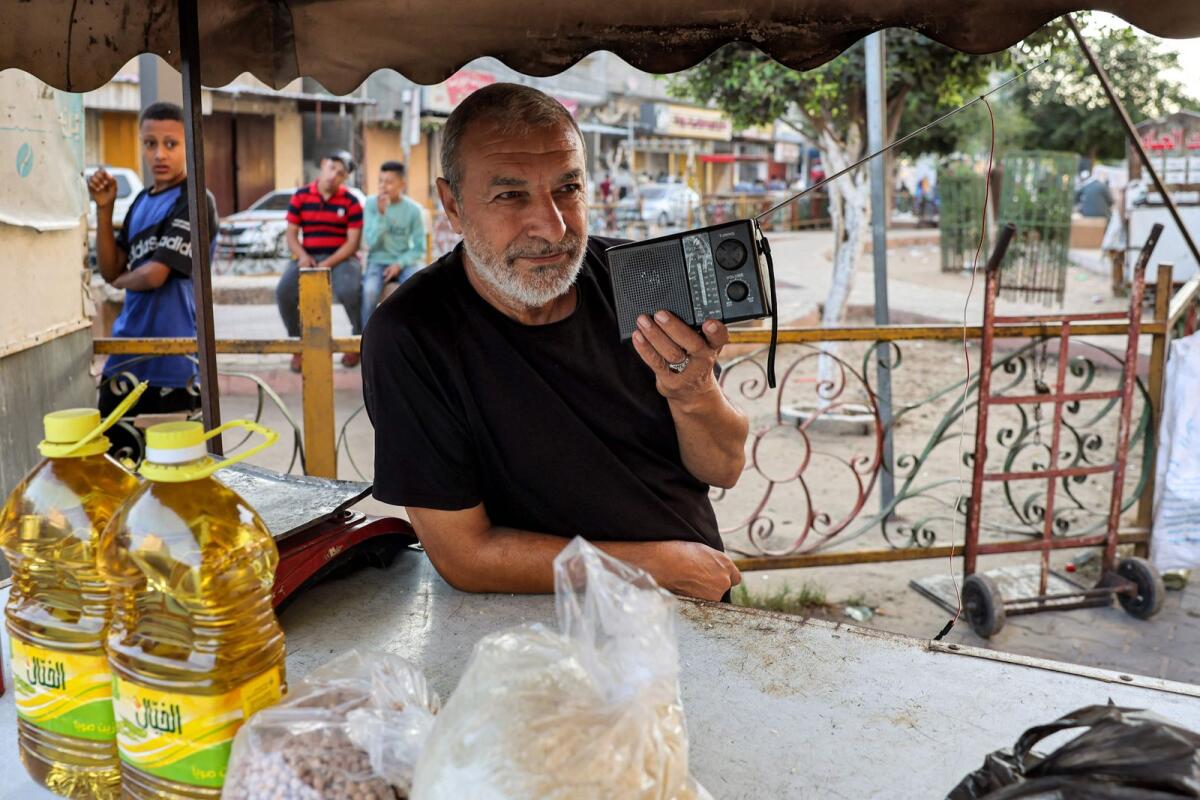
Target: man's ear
x,y
450,204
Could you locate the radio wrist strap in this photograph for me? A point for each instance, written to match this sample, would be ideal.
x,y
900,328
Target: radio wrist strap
x,y
766,247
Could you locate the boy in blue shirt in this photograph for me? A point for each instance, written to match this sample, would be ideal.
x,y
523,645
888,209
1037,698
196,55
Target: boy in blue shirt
x,y
150,258
394,233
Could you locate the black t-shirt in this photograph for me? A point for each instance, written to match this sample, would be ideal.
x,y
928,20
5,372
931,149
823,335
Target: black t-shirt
x,y
555,428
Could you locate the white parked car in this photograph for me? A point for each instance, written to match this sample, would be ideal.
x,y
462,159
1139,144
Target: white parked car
x,y
661,204
129,183
261,230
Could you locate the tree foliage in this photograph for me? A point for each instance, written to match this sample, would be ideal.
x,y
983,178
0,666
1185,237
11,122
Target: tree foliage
x,y
1060,106
1066,105
923,78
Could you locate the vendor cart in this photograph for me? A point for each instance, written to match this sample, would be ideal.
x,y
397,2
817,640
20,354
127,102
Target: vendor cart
x,y
1133,581
777,706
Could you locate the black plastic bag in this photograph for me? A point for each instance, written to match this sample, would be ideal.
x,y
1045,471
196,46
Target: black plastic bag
x,y
1124,754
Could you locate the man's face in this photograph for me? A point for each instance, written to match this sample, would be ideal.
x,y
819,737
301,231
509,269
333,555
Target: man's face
x,y
390,184
164,151
521,210
333,174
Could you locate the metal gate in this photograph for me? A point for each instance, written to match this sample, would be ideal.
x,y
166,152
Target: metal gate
x,y
1037,195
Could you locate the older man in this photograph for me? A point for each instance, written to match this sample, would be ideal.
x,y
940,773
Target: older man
x,y
508,415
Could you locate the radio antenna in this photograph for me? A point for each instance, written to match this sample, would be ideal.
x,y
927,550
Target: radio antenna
x,y
899,141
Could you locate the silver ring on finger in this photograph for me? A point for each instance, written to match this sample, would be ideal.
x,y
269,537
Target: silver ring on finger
x,y
680,366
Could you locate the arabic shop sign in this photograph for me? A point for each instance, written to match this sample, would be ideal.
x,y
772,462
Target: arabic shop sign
x,y
688,122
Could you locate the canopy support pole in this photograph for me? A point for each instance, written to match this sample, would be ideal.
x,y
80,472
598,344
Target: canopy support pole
x,y
876,134
201,225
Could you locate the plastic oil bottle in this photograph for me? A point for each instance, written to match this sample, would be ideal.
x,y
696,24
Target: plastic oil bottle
x,y
59,607
194,646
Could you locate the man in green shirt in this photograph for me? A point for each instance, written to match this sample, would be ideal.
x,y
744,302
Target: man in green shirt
x,y
394,233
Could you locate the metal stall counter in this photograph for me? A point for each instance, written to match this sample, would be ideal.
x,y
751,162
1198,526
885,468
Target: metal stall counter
x,y
777,706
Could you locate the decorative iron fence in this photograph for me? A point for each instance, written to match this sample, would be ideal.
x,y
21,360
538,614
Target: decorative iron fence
x,y
809,494
833,460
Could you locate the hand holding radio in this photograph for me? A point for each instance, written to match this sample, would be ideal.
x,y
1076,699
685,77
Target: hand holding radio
x,y
722,273
682,358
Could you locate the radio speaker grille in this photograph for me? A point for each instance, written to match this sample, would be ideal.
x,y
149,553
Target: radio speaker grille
x,y
649,278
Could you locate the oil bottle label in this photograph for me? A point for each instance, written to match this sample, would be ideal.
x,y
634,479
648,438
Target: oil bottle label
x,y
186,738
64,693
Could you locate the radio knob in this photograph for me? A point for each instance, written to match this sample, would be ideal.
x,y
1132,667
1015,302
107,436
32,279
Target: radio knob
x,y
731,254
737,291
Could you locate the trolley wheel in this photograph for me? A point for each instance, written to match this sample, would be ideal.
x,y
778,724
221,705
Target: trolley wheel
x,y
983,604
1150,588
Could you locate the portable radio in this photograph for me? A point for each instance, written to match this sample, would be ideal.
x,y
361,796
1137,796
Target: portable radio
x,y
722,272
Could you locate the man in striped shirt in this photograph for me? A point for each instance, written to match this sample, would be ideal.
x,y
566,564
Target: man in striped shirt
x,y
324,230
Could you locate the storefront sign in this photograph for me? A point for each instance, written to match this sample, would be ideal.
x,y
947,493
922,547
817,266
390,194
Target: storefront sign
x,y
445,97
787,153
692,123
758,133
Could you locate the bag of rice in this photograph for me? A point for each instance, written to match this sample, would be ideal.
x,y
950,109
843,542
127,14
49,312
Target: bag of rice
x,y
588,711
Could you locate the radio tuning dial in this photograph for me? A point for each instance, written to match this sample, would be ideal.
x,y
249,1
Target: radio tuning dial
x,y
737,291
731,254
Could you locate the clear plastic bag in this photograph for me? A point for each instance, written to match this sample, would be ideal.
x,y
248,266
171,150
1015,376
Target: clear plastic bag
x,y
353,728
589,712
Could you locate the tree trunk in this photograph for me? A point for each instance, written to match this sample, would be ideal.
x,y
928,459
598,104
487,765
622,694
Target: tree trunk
x,y
850,215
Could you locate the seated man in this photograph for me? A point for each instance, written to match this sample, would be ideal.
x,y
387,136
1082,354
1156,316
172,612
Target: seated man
x,y
394,233
508,414
324,228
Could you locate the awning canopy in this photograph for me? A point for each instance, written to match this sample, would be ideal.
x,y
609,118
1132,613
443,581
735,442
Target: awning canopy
x,y
78,45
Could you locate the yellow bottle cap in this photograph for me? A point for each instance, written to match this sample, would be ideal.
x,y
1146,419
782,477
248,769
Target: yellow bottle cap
x,y
79,432
174,435
176,451
70,424
64,428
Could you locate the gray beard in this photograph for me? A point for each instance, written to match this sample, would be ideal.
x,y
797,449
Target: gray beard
x,y
527,289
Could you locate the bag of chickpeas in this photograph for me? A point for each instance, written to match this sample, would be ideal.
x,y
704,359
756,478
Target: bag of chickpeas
x,y
353,728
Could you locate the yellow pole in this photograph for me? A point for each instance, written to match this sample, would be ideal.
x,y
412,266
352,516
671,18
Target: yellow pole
x,y
316,344
1159,347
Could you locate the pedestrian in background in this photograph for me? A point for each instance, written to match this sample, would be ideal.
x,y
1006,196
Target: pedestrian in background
x,y
394,233
151,259
324,230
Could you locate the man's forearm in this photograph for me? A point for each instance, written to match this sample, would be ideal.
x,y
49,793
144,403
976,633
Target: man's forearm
x,y
293,240
712,438
111,266
514,561
413,257
347,249
373,227
146,278
415,253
